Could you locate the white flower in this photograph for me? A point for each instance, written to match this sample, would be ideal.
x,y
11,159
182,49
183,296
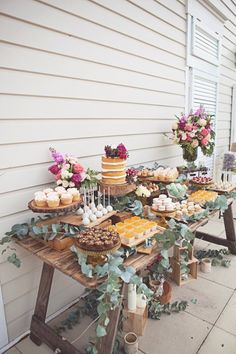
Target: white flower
x,y
174,125
59,182
195,143
192,134
202,122
71,184
66,166
73,160
65,184
184,136
65,174
142,191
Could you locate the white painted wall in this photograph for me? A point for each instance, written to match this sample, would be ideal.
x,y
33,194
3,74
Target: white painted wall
x,y
227,77
77,75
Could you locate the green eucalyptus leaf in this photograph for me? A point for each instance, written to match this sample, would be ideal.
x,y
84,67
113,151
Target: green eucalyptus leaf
x,y
100,331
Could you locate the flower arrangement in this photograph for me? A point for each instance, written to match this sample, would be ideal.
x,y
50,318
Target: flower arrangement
x,y
131,175
142,191
68,172
119,151
195,130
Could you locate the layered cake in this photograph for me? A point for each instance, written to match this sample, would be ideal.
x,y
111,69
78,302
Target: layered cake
x,y
113,165
98,240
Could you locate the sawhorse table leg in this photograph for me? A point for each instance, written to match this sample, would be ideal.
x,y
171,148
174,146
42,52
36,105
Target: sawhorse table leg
x,y
39,330
230,240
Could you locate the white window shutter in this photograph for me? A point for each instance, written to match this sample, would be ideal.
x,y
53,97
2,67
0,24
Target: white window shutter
x,y
204,92
206,44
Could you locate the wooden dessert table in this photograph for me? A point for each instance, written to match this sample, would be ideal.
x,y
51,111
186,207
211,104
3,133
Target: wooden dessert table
x,y
66,262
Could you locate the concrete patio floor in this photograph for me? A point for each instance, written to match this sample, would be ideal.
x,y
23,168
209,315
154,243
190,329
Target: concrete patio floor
x,y
207,327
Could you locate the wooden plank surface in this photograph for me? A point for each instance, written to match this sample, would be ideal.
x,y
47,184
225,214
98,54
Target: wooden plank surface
x,y
76,220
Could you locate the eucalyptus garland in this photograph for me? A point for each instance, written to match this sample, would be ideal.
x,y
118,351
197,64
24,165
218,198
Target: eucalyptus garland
x,y
113,271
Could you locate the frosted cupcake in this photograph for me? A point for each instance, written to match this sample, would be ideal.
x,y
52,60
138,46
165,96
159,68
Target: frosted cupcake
x,y
66,198
60,190
40,200
75,194
53,201
47,190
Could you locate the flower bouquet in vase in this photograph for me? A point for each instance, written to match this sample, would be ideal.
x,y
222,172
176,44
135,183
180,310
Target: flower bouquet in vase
x,y
194,131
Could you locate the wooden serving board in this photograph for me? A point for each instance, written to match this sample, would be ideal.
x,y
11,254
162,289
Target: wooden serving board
x,y
138,241
76,220
61,208
221,191
147,250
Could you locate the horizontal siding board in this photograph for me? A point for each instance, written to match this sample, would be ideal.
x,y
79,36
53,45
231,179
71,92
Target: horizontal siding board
x,y
80,28
14,82
16,31
9,157
17,201
108,18
41,62
29,107
178,8
29,131
144,17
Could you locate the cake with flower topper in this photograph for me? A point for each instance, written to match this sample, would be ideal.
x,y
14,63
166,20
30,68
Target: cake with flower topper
x,y
113,164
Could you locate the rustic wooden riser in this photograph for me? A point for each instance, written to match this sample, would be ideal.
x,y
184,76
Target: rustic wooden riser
x,y
76,220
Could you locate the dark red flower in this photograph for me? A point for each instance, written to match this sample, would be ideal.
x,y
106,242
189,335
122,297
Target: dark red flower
x,y
54,169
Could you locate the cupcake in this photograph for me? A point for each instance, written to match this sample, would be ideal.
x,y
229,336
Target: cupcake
x,y
53,201
75,194
66,198
162,196
48,190
60,190
161,207
40,200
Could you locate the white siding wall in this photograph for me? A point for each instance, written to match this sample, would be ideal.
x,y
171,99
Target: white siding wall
x,y
227,77
77,75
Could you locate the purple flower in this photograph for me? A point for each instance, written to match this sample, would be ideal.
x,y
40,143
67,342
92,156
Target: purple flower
x,y
54,169
76,178
57,157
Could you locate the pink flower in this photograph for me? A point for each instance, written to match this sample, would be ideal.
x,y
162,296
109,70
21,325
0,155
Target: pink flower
x,y
58,175
204,132
204,141
188,127
77,168
54,169
76,178
189,138
195,143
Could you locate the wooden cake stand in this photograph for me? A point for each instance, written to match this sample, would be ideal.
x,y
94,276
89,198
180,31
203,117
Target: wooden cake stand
x,y
117,190
61,208
97,257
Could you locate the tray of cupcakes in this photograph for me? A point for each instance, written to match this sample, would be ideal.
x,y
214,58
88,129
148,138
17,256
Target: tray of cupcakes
x,y
55,200
161,174
166,207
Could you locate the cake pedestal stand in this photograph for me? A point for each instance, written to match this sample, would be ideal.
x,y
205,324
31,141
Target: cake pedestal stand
x,y
117,190
164,214
97,257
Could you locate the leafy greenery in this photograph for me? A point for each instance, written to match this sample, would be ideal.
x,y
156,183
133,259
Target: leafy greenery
x,y
156,309
221,203
128,203
46,232
217,256
113,271
91,179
